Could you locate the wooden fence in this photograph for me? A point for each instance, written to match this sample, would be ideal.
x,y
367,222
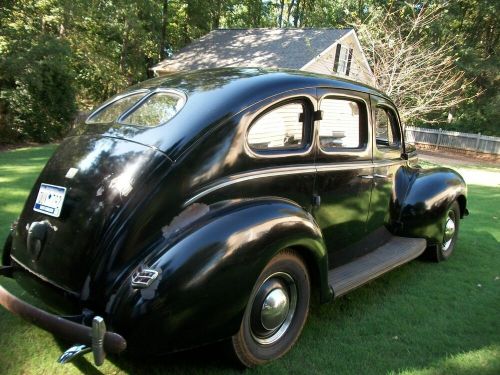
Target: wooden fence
x,y
455,140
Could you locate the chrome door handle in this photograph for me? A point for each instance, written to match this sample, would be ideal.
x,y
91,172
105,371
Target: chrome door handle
x,y
376,175
366,176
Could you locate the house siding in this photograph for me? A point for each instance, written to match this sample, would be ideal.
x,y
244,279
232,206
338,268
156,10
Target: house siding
x,y
358,71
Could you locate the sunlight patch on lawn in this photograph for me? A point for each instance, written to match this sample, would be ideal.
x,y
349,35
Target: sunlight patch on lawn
x,y
480,177
14,208
482,361
6,180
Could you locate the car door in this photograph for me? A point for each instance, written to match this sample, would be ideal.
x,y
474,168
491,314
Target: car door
x,y
344,172
265,151
387,158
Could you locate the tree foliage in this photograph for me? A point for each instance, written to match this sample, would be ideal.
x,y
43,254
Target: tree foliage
x,y
420,76
57,55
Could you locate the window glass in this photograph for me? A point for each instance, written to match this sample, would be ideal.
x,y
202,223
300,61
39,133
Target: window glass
x,y
340,126
386,129
111,112
155,110
280,128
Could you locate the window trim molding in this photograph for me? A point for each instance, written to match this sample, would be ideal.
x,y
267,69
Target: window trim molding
x,y
400,145
109,102
346,150
159,90
148,93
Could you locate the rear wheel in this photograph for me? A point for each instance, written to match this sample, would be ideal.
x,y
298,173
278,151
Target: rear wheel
x,y
276,311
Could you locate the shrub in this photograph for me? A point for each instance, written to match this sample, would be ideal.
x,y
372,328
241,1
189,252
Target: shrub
x,y
37,91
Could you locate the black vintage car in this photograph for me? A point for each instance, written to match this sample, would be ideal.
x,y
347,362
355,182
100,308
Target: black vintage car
x,y
208,206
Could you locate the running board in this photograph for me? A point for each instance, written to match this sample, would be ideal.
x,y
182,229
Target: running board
x,y
398,251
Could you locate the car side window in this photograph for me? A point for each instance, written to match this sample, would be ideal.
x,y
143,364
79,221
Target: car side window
x,y
281,128
342,124
386,129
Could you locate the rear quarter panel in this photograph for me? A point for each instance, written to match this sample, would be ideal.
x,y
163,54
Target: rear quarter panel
x,y
207,274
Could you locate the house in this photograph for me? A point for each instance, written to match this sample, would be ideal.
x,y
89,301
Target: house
x,y
326,51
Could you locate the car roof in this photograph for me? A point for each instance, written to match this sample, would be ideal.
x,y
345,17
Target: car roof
x,y
213,79
215,96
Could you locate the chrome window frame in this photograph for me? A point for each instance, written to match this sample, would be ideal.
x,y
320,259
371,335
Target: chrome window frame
x,y
109,102
307,100
148,93
346,150
139,103
400,145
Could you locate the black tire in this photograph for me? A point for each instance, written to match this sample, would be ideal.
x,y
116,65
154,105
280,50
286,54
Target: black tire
x,y
444,249
256,344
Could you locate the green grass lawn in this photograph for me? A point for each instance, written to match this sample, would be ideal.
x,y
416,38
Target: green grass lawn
x,y
422,318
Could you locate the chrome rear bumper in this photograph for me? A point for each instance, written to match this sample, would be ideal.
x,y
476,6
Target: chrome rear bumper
x,y
73,332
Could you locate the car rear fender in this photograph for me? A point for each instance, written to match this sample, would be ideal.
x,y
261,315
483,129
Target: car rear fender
x,y
420,211
206,274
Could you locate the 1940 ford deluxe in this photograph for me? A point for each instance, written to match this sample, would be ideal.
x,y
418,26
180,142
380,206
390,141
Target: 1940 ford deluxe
x,y
206,206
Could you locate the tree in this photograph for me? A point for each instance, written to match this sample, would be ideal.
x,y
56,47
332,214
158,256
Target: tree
x,y
419,75
37,96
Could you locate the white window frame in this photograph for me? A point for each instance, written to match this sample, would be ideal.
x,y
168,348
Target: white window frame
x,y
343,59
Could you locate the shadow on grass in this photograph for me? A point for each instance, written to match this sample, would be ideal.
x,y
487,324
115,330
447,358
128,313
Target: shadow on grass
x,y
214,358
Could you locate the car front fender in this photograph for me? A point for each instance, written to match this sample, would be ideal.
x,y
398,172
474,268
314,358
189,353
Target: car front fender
x,y
422,206
207,274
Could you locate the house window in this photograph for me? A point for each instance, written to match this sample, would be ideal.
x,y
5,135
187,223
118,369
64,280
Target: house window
x,y
342,63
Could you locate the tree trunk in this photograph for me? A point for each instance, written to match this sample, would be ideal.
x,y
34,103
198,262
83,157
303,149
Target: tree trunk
x,y
280,18
290,6
296,15
217,10
163,35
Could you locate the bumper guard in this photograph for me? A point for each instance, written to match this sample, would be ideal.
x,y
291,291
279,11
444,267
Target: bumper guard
x,y
95,337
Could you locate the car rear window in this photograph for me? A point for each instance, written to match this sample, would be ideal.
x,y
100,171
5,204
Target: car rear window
x,y
140,109
157,109
111,112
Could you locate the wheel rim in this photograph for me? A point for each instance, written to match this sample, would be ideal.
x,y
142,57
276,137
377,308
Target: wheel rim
x,y
449,231
273,308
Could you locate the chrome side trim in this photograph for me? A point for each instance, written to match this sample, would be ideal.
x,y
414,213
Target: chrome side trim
x,y
237,178
388,163
25,267
345,166
283,171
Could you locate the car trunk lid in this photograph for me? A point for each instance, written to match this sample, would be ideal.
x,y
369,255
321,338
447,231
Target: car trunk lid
x,y
100,176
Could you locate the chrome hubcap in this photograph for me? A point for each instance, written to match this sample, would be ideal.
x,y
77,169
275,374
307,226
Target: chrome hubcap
x,y
449,232
273,308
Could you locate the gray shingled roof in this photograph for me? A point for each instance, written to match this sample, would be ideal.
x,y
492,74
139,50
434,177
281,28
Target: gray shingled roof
x,y
267,48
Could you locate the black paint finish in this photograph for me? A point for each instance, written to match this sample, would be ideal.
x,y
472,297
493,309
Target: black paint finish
x,y
190,200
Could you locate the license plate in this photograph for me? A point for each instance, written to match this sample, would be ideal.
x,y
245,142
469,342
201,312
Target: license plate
x,y
50,199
